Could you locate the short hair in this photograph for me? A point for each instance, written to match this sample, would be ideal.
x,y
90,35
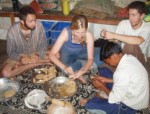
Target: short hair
x,y
109,49
138,5
24,11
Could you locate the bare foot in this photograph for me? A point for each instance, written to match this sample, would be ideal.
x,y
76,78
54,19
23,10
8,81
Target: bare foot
x,y
83,102
81,79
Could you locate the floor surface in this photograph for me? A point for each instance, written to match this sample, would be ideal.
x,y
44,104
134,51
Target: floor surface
x,y
3,57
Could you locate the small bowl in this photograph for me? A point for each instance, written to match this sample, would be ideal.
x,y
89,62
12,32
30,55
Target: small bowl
x,y
8,89
49,6
61,87
42,75
36,99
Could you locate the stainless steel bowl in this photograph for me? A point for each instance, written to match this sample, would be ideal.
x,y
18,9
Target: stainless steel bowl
x,y
57,88
8,88
36,99
43,74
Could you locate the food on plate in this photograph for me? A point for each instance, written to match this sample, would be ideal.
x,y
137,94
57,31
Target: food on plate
x,y
9,93
39,76
48,74
49,5
51,71
66,89
44,70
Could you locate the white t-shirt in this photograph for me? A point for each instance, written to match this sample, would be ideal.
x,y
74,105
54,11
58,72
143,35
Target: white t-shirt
x,y
131,85
125,28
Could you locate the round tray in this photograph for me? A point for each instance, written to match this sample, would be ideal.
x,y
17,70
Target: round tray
x,y
36,99
43,74
61,87
49,6
8,88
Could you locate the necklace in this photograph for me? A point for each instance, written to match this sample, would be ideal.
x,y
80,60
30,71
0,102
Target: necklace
x,y
26,33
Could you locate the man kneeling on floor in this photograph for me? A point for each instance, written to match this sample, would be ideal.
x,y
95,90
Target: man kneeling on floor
x,y
130,91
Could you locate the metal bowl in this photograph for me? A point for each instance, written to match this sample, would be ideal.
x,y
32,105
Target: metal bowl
x,y
61,87
36,99
43,74
49,6
8,88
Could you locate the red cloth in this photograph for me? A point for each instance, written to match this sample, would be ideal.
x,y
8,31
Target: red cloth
x,y
123,13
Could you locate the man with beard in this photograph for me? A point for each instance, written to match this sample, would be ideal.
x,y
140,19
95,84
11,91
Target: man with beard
x,y
134,33
26,44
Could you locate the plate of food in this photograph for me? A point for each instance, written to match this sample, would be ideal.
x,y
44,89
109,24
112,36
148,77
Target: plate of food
x,y
8,88
50,5
44,74
61,87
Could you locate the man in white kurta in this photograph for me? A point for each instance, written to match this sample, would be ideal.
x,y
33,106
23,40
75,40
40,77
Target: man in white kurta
x,y
130,91
130,84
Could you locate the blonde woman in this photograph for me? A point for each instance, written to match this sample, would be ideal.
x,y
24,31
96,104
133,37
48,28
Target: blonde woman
x,y
75,44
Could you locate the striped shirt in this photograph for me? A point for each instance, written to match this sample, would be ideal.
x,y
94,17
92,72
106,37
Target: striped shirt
x,y
17,44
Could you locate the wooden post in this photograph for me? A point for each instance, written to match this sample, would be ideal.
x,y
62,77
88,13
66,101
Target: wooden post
x,y
12,18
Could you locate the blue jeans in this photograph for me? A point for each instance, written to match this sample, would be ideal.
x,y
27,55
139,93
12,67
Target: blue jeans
x,y
107,74
74,58
96,111
99,104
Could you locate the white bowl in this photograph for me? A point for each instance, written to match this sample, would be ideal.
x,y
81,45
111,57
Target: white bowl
x,y
8,88
36,99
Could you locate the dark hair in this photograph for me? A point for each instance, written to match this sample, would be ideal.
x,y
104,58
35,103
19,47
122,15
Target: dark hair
x,y
109,49
139,6
24,11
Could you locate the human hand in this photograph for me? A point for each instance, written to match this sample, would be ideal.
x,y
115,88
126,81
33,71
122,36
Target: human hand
x,y
74,76
69,70
105,80
25,60
34,58
107,35
103,33
18,64
100,78
97,83
78,73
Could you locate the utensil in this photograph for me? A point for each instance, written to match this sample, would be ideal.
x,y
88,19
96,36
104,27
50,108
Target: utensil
x,y
31,106
41,75
8,88
36,99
